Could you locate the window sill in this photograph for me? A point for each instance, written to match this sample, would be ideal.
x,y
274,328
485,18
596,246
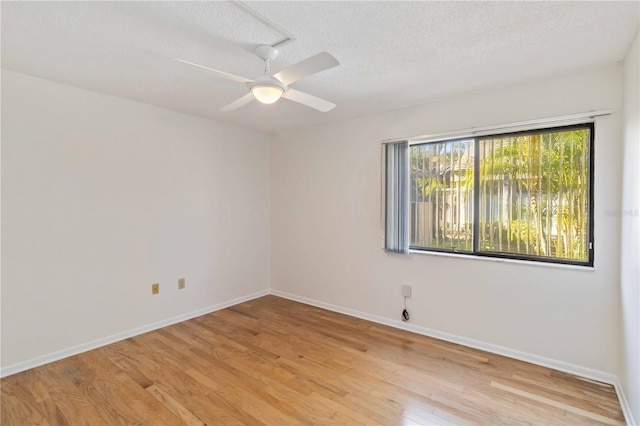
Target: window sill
x,y
501,260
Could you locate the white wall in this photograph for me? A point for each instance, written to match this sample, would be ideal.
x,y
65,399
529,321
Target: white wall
x,y
101,197
629,352
325,227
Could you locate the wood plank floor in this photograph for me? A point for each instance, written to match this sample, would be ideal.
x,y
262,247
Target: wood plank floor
x,y
272,361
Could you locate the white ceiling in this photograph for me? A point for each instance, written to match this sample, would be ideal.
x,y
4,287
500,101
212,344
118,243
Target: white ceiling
x,y
392,54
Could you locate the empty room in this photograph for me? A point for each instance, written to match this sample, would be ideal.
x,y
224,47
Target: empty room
x,y
288,212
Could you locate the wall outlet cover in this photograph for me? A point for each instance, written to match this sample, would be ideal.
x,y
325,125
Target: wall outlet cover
x,y
406,290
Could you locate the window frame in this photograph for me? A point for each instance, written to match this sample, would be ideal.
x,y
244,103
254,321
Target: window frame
x,y
590,125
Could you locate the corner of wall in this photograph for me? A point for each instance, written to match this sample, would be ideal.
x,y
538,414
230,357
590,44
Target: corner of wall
x,y
628,385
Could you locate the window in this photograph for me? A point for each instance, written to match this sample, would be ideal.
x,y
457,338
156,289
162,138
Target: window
x,y
525,195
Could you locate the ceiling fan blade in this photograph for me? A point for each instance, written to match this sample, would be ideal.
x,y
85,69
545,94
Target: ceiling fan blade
x,y
320,62
308,100
219,73
238,103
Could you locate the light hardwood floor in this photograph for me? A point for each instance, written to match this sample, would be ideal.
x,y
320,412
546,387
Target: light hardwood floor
x,y
277,362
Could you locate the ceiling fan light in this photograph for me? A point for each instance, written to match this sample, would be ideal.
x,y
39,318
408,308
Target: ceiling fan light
x,y
266,93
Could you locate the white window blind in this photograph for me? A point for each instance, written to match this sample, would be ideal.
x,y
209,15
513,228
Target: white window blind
x,y
396,199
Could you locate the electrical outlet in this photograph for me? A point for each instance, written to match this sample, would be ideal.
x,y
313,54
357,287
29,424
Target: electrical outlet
x,y
181,283
155,288
406,290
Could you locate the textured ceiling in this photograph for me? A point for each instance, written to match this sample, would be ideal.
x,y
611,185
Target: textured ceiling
x,y
392,54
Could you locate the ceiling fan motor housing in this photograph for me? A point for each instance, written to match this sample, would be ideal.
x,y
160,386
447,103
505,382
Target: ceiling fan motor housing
x,y
265,80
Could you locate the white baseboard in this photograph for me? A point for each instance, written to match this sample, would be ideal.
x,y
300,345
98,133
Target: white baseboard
x,y
566,367
94,344
626,409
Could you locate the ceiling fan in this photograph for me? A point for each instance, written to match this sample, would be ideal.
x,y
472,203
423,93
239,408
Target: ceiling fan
x,y
268,88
